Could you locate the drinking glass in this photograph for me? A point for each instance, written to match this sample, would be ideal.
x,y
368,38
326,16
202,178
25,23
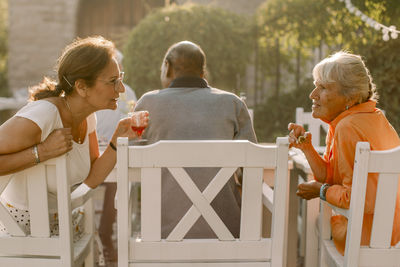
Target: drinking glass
x,y
136,127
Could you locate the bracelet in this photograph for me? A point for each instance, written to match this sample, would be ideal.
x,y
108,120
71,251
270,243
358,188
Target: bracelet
x,y
113,146
36,154
322,191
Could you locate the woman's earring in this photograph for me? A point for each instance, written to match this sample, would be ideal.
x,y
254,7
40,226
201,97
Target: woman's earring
x,y
347,107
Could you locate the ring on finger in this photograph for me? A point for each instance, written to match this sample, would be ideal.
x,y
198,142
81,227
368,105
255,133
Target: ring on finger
x,y
301,139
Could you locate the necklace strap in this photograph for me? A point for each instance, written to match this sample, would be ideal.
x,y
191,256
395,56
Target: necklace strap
x,y
67,104
80,129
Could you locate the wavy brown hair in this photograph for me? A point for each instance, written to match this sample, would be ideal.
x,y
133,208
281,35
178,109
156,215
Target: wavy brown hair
x,y
82,59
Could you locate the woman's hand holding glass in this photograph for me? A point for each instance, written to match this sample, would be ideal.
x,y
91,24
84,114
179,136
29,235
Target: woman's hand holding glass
x,y
139,121
134,120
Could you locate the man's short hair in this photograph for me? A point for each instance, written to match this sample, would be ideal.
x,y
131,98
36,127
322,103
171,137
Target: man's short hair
x,y
186,58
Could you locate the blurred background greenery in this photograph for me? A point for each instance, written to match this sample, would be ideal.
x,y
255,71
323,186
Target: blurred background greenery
x,y
268,55
224,36
3,48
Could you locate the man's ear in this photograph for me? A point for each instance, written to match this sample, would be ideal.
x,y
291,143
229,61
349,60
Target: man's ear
x,y
81,87
169,69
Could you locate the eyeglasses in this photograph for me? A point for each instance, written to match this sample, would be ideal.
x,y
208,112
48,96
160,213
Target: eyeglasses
x,y
117,81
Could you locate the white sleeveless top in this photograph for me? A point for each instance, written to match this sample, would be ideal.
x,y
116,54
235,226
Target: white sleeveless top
x,y
46,115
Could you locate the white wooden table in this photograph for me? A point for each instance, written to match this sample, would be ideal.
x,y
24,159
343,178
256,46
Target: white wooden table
x,y
306,222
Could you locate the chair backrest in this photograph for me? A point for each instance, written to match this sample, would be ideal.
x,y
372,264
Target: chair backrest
x,y
379,252
39,248
314,127
250,248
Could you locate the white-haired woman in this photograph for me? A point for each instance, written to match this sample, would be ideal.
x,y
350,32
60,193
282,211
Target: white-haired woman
x,y
344,97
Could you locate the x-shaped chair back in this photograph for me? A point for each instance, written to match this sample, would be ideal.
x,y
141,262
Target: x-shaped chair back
x,y
228,156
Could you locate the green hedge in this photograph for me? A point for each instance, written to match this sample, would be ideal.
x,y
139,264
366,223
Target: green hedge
x,y
272,117
225,38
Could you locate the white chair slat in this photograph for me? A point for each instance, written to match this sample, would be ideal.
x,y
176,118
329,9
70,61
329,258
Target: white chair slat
x,y
38,202
64,211
210,192
372,257
33,262
202,250
151,204
251,213
122,197
281,202
357,202
385,205
30,246
210,153
201,203
204,264
385,161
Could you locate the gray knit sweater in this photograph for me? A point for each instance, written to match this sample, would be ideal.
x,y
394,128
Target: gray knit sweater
x,y
191,110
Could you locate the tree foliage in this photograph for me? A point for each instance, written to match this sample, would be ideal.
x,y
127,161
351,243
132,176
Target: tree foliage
x,y
310,30
224,37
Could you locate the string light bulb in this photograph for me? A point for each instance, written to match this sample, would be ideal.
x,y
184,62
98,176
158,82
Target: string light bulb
x,y
387,32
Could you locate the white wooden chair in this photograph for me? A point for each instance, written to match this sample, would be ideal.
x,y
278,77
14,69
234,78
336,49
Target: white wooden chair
x,y
314,127
39,248
379,252
248,250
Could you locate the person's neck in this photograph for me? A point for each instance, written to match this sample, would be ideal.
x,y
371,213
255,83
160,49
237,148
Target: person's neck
x,y
77,108
189,81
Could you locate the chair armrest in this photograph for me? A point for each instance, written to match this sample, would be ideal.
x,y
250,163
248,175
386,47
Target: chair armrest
x,y
344,212
268,197
80,195
129,194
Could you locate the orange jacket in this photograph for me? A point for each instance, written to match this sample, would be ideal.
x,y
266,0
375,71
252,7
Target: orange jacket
x,y
363,122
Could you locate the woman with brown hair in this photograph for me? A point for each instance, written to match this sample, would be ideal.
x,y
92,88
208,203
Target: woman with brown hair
x,y
59,119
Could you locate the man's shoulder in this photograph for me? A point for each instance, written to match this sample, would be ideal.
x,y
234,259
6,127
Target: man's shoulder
x,y
220,91
224,94
151,93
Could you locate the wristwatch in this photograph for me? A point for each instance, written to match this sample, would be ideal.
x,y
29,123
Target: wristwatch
x,y
322,191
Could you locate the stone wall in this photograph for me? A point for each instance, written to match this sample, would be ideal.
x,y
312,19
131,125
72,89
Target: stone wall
x,y
38,31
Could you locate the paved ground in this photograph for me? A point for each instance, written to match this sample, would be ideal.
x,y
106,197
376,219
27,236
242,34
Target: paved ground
x,y
98,205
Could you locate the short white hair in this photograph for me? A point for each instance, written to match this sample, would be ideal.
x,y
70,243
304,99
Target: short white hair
x,y
350,72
